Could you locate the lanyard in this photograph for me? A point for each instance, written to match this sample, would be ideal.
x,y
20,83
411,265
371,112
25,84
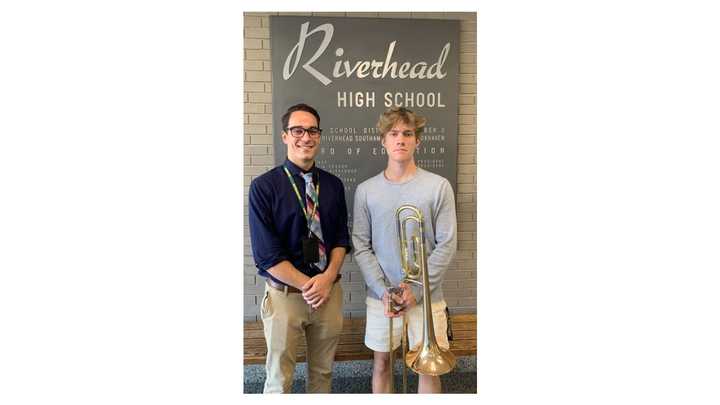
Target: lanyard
x,y
297,193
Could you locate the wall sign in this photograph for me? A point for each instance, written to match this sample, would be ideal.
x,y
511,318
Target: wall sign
x,y
353,69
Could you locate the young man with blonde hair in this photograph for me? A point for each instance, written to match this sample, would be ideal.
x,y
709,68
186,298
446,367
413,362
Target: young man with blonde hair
x,y
377,246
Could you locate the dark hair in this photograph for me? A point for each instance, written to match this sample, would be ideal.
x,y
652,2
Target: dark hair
x,y
298,107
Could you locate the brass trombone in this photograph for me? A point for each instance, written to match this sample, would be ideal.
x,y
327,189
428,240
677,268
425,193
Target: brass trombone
x,y
426,358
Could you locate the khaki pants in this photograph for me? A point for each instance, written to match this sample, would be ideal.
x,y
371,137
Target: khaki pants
x,y
286,318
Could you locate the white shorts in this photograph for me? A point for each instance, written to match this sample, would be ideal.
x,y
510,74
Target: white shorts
x,y
377,326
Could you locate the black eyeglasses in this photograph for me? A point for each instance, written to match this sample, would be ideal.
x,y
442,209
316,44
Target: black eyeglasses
x,y
299,131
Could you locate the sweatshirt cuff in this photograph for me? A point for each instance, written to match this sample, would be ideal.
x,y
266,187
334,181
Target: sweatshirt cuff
x,y
417,291
379,289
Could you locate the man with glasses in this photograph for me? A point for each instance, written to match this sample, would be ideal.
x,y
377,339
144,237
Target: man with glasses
x,y
299,236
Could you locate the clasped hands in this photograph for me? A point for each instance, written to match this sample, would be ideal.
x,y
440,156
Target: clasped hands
x,y
316,291
403,301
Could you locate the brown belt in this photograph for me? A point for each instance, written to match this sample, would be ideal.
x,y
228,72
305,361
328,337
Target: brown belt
x,y
290,289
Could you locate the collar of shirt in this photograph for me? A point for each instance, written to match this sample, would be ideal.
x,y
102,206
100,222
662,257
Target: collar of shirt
x,y
295,170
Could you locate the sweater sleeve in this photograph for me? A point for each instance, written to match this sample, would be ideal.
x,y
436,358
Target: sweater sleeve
x,y
445,225
362,242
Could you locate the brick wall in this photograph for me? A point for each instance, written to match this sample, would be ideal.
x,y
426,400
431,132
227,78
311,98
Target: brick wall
x,y
461,280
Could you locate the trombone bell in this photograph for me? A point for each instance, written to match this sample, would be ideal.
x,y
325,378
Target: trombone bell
x,y
430,360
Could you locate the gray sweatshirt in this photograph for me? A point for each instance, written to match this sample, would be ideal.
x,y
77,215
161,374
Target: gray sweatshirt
x,y
375,235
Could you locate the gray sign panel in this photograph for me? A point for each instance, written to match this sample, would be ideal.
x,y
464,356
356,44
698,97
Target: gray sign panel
x,y
353,69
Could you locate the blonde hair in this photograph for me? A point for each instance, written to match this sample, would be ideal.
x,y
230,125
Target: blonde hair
x,y
393,115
